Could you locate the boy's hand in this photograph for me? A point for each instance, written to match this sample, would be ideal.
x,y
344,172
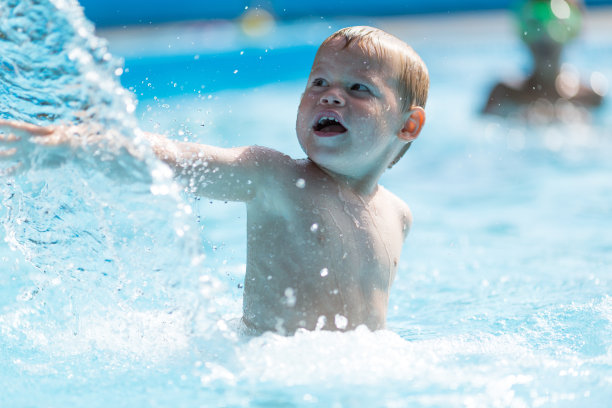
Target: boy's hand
x,y
15,139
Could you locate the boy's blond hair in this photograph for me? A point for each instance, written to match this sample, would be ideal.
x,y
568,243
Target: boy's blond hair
x,y
411,72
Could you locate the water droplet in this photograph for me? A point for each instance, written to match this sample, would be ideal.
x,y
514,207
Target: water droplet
x,y
314,227
324,272
321,321
300,183
340,321
289,297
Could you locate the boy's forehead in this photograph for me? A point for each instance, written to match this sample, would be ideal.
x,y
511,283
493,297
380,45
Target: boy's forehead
x,y
354,63
355,56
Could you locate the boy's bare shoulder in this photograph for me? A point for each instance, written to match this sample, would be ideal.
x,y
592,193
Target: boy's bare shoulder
x,y
398,206
265,156
264,162
272,167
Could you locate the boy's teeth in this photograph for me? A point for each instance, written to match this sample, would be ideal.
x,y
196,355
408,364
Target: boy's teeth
x,y
327,118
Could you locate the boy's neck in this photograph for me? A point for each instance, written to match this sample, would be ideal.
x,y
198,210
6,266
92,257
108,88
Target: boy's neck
x,y
364,186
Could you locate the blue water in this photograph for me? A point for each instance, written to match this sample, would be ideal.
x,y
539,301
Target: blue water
x,y
117,289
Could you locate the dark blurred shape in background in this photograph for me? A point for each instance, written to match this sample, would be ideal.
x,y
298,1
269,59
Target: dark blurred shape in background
x,y
553,90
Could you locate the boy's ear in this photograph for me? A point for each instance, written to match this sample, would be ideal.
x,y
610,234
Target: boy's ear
x,y
413,125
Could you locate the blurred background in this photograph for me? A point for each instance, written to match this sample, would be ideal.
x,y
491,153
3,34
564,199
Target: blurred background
x,y
186,47
119,12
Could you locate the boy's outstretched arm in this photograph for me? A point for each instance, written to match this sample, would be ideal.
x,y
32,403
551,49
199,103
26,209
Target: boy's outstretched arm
x,y
220,173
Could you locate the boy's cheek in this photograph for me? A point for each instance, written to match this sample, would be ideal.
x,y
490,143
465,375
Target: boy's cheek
x,y
301,123
308,97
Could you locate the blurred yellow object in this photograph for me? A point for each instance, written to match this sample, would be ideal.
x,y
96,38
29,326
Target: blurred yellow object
x,y
257,22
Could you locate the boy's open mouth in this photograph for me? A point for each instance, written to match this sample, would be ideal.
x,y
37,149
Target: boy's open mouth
x,y
328,125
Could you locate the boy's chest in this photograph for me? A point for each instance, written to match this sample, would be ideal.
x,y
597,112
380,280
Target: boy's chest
x,y
354,237
329,229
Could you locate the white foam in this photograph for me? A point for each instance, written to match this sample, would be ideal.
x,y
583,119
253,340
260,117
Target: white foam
x,y
150,336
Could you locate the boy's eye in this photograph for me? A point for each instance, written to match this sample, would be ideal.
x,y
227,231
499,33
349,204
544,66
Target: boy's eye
x,y
359,88
319,82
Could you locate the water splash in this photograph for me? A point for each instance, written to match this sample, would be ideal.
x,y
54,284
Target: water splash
x,y
103,235
55,68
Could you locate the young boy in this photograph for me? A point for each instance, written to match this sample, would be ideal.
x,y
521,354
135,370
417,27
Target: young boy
x,y
323,238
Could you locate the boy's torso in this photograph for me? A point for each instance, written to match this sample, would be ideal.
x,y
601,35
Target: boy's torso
x,y
315,249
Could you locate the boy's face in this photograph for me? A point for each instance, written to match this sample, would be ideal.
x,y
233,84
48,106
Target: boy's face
x,y
349,116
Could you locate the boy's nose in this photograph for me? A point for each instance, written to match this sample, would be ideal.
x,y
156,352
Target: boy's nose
x,y
331,98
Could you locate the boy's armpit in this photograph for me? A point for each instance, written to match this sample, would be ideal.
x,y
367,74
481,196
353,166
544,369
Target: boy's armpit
x,y
407,220
402,210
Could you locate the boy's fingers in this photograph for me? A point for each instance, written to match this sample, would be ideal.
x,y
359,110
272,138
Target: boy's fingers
x,y
51,140
4,153
10,126
9,137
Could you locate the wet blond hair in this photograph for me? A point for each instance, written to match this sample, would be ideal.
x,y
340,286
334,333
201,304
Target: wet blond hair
x,y
410,70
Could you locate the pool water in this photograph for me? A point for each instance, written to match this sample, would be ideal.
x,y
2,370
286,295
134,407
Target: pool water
x,y
117,289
